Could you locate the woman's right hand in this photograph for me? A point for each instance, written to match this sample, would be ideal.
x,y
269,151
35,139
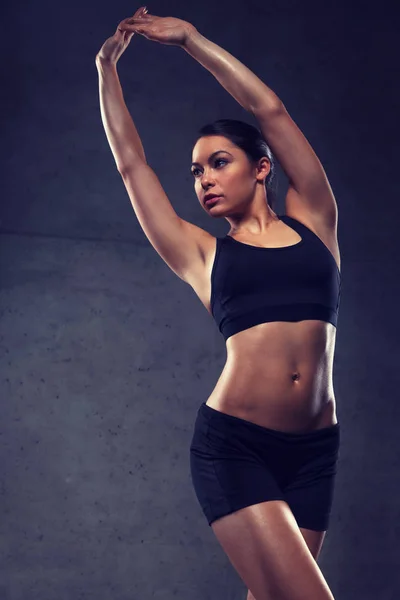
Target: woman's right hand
x,y
116,45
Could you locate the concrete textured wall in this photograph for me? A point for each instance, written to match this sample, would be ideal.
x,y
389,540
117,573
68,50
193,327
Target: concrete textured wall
x,y
106,355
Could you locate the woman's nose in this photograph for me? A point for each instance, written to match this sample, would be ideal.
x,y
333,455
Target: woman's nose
x,y
206,178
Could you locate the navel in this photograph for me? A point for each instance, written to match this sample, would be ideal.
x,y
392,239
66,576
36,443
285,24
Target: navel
x,y
296,376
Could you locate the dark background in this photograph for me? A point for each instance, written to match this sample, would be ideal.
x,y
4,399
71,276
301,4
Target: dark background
x,y
106,355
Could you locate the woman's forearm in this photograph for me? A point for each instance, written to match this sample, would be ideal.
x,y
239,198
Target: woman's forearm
x,y
120,129
234,76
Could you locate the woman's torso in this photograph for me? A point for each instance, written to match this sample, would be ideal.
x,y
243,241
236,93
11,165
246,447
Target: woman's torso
x,y
277,374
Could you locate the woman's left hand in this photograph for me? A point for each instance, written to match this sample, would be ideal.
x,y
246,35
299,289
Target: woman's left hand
x,y
166,30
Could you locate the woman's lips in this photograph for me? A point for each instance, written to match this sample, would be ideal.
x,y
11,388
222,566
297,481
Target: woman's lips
x,y
212,200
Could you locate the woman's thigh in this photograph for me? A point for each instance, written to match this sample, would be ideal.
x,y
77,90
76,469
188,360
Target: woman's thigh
x,y
265,546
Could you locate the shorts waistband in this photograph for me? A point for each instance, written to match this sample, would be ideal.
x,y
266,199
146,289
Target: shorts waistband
x,y
211,413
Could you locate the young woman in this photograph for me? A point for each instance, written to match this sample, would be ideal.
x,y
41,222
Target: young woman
x,y
266,442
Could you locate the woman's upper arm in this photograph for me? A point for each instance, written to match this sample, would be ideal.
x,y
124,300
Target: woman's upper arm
x,y
179,243
299,162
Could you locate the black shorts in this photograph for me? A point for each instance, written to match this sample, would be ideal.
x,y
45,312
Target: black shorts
x,y
235,463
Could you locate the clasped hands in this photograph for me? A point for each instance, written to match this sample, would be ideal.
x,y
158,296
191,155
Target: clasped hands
x,y
166,30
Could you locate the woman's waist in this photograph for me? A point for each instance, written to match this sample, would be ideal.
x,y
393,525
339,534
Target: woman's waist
x,y
279,397
279,370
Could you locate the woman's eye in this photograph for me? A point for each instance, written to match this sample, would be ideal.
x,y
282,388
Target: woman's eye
x,y
217,161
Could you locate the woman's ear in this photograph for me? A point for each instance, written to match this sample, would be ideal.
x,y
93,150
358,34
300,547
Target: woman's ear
x,y
264,167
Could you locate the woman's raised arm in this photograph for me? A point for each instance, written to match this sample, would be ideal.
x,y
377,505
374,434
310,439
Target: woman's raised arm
x,y
120,129
179,243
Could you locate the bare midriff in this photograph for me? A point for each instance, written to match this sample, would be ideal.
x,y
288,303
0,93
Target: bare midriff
x,y
279,375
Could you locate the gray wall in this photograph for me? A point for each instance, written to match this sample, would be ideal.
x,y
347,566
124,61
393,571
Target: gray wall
x,y
106,355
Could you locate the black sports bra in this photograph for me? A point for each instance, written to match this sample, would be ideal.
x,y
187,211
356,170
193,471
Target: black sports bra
x,y
252,285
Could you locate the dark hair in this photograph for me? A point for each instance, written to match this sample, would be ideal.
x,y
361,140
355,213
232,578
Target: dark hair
x,y
250,140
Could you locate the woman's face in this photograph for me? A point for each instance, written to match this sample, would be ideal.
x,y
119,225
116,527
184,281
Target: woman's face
x,y
222,168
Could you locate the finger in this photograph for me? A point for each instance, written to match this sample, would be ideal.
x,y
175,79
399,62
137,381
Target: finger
x,y
133,27
142,17
140,12
138,15
133,22
139,20
126,24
